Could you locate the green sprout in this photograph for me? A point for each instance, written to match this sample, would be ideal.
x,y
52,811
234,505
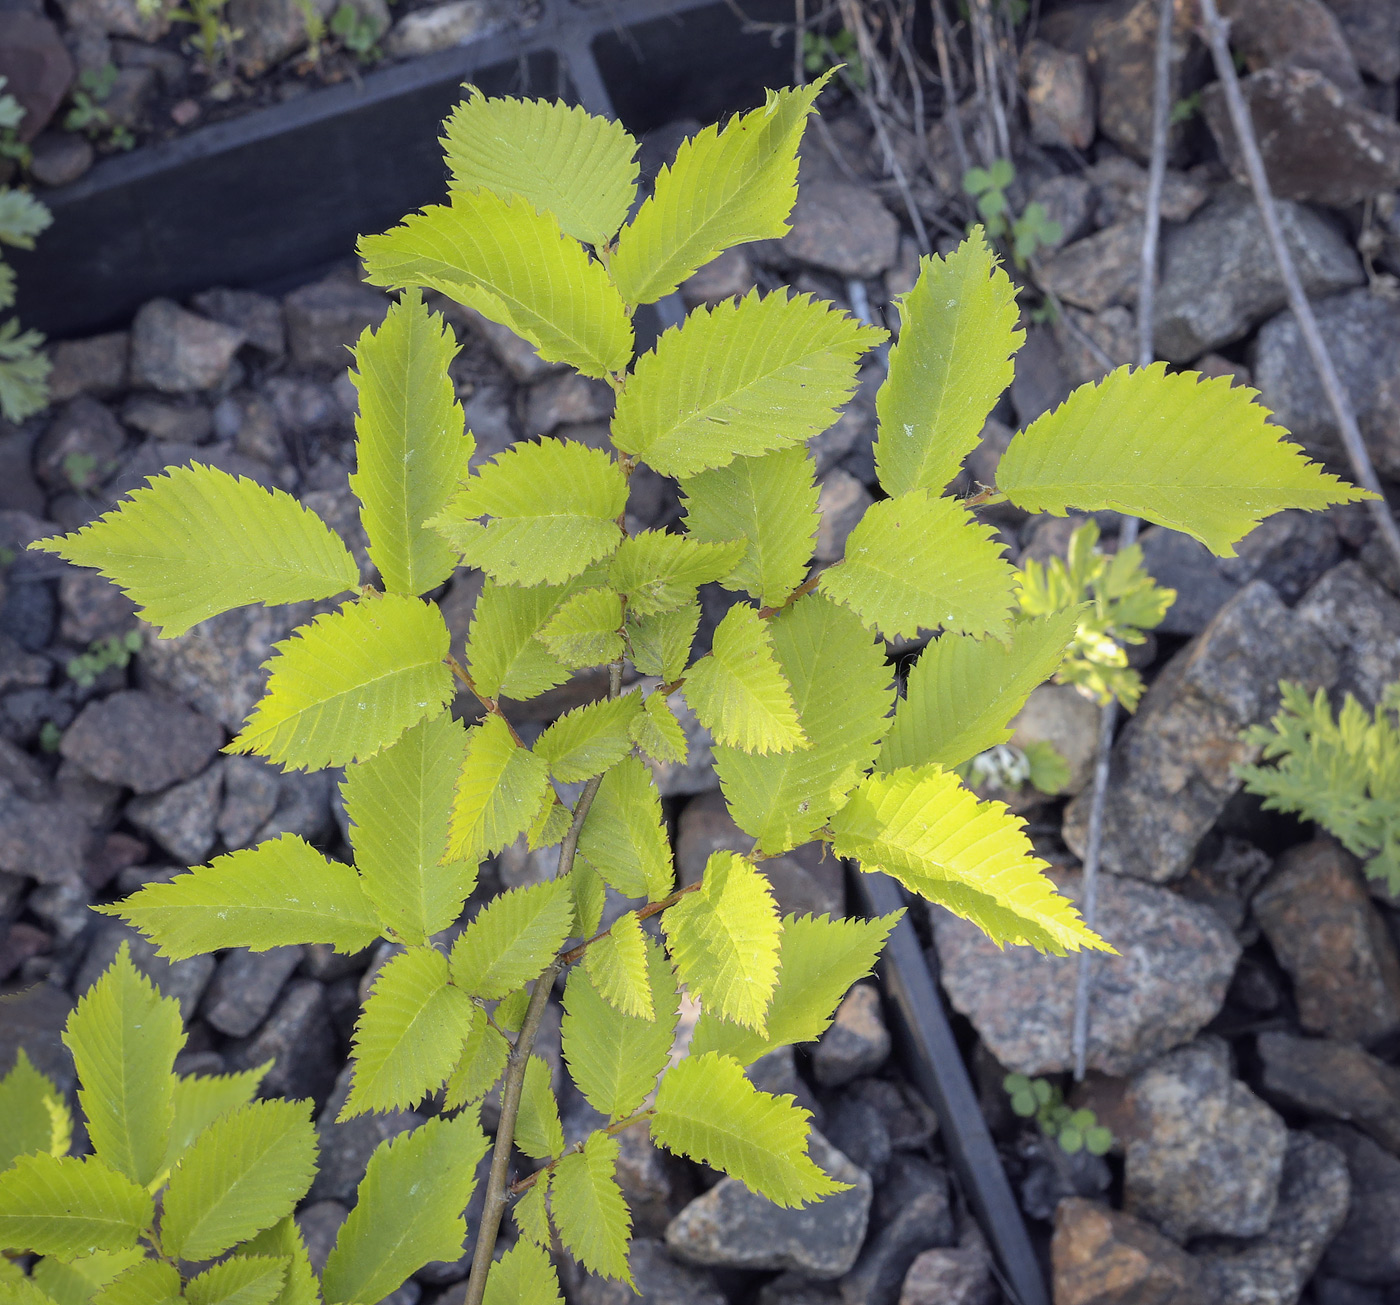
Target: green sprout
x,y
1041,1100
102,655
1031,231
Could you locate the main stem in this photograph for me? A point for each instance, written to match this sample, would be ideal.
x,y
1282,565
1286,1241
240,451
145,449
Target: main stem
x,y
497,1186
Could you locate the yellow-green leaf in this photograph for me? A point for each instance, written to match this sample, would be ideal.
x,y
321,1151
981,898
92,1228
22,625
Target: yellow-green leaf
x,y
499,790
617,966
624,837
589,1210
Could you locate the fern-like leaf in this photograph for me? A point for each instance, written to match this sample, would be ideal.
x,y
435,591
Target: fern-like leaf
x,y
573,164
196,541
513,264
499,790
924,828
624,836
350,683
659,572
411,450
69,1207
512,939
727,186
536,533
538,1132
278,894
1196,455
409,1034
617,965
918,562
962,692
706,1109
124,1037
589,1210
957,332
586,741
738,380
769,501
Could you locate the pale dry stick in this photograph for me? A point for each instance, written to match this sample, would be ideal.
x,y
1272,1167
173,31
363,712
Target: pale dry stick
x,y
1127,532
941,39
799,71
985,40
1217,33
497,1186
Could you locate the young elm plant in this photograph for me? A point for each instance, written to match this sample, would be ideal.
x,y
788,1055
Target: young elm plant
x,y
797,692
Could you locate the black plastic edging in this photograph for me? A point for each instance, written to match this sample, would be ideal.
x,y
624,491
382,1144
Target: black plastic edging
x,y
936,1066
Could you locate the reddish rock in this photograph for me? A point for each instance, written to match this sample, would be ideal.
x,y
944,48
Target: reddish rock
x,y
1292,34
1103,1257
36,66
1059,96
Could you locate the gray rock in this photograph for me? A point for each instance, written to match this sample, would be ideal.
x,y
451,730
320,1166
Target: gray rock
x,y
1099,271
345,1148
923,1221
34,1020
303,806
80,448
37,68
1219,279
1292,34
179,352
1367,1249
59,158
183,818
259,317
1040,382
651,1182
250,798
163,419
270,31
853,1125
1068,200
318,1223
856,1043
1087,339
1372,30
48,841
458,22
1338,1291
1312,1205
1059,96
907,1118
144,741
1105,1257
299,1039
116,18
1336,1080
842,503
951,1275
245,986
731,1227
842,228
1058,714
1169,979
1360,620
1205,1154
1327,933
1120,186
794,1289
516,355
721,278
1171,772
325,318
567,398
1318,145
184,980
660,1281
96,366
92,607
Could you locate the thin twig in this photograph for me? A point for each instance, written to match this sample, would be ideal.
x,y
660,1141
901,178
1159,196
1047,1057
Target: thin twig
x,y
643,913
1216,33
799,32
942,38
1127,531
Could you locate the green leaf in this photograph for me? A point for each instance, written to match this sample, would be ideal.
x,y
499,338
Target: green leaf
x,y
841,688
523,1275
246,1171
479,1068
27,1102
349,683
550,824
514,265
918,562
659,572
1196,455
724,940
613,1057
586,629
567,162
962,692
706,1109
147,1283
657,732
23,1291
953,360
617,966
196,541
661,644
590,895
411,450
726,187
924,828
499,790
408,1210
502,650
537,534
69,1207
277,894
513,939
284,1239
624,837
740,379
586,741
77,1281
818,961
201,1099
771,502
398,803
589,1211
239,1280
531,1211
538,1132
738,692
124,1037
409,1034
